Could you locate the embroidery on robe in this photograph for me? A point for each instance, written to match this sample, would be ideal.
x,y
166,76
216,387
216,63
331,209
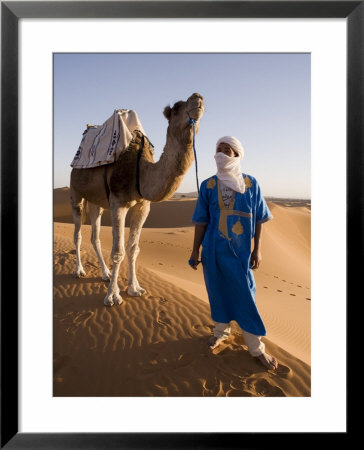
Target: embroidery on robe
x,y
224,213
248,182
238,228
211,183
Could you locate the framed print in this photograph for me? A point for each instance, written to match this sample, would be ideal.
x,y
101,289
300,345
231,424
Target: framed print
x,y
39,40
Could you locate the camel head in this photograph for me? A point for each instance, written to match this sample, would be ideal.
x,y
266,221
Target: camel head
x,y
179,115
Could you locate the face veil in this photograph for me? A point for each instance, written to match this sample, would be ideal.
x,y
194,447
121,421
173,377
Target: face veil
x,y
228,168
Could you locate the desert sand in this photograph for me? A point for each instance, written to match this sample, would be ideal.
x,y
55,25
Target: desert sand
x,y
155,345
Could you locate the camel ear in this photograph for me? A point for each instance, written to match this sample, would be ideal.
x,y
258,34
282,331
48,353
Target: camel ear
x,y
167,112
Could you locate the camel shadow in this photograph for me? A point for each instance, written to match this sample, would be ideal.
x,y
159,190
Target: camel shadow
x,y
71,279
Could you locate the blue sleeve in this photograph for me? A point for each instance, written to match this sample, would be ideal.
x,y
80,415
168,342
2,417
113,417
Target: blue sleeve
x,y
201,214
262,212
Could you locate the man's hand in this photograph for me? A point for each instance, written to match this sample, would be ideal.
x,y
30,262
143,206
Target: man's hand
x,y
194,261
197,240
255,259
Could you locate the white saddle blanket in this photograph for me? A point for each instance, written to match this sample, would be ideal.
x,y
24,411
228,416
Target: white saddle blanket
x,y
103,144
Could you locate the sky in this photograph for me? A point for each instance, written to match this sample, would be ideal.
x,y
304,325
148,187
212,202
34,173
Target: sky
x,y
261,99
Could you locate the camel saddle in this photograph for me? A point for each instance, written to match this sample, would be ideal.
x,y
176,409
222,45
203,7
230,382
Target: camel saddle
x,y
103,144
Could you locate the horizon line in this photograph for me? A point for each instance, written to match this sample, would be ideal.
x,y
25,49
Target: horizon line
x,y
195,193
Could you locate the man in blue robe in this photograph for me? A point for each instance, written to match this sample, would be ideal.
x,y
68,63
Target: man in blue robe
x,y
229,213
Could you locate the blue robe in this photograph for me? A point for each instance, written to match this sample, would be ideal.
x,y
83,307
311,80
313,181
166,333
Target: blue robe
x,y
226,249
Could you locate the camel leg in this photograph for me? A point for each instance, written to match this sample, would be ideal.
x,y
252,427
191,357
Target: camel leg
x,y
117,255
95,217
139,213
78,205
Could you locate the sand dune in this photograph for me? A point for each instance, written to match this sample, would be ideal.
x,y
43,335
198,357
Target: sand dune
x,y
182,206
155,345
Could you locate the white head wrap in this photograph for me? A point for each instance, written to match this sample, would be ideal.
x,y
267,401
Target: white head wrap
x,y
234,143
228,167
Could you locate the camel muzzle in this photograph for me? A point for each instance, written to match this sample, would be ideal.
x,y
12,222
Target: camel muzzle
x,y
196,106
196,113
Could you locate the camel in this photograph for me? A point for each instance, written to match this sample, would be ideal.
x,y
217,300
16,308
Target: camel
x,y
132,182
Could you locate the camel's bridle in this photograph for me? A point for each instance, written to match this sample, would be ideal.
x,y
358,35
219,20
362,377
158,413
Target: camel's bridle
x,y
193,123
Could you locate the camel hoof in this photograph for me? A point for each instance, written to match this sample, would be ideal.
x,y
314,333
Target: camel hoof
x,y
113,299
79,273
106,276
138,292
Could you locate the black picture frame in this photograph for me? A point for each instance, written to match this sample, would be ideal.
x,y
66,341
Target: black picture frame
x,y
11,12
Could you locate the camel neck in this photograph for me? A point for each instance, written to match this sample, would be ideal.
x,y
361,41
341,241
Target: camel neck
x,y
158,181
